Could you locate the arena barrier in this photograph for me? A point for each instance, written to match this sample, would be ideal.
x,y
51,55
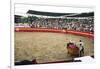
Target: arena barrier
x,y
28,29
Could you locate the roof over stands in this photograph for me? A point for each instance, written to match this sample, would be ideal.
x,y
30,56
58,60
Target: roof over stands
x,y
33,12
47,13
83,15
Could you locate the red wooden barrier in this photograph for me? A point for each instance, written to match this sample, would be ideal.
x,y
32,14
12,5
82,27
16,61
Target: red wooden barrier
x,y
23,29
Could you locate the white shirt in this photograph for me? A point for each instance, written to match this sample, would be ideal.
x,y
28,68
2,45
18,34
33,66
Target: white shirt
x,y
82,45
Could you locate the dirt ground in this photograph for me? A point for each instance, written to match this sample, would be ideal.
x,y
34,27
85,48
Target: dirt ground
x,y
47,47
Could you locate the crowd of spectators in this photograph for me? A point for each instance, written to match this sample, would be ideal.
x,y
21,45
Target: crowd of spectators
x,y
83,25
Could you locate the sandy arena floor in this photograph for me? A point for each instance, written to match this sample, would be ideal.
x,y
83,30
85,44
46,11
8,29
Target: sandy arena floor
x,y
47,47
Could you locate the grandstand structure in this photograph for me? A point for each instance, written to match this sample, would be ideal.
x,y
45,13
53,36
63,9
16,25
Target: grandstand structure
x,y
69,21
